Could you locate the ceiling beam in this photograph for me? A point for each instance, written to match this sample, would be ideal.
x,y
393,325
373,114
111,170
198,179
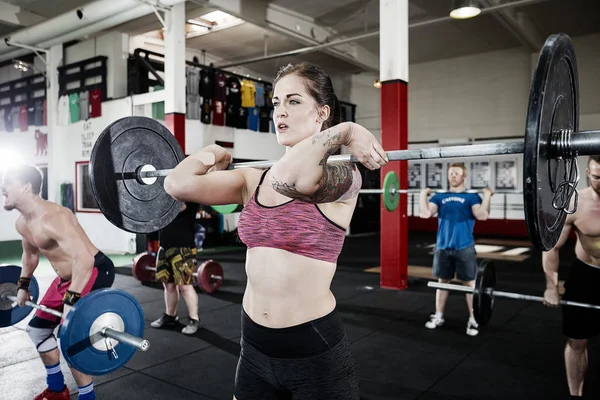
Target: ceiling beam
x,y
518,24
296,26
16,16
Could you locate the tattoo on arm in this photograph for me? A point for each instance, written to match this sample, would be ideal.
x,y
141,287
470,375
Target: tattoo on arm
x,y
340,181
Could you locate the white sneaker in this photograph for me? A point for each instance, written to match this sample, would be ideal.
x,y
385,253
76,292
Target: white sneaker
x,y
472,328
434,322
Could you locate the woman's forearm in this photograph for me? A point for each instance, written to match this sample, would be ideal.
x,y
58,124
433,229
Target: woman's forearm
x,y
303,166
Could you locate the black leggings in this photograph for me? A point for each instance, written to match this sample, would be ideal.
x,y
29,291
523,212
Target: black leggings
x,y
308,361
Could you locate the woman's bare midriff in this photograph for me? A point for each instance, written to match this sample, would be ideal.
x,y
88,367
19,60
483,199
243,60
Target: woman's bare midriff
x,y
286,289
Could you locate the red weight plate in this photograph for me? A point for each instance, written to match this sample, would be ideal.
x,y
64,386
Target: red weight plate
x,y
138,267
210,276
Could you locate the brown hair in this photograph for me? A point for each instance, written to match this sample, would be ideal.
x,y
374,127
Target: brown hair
x,y
319,86
595,158
459,165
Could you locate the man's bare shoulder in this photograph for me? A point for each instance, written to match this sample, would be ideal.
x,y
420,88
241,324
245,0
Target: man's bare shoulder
x,y
56,214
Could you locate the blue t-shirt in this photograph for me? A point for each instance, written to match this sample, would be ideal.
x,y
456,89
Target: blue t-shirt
x,y
455,219
253,119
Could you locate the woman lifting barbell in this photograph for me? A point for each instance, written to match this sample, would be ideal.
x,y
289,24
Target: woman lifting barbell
x,y
294,224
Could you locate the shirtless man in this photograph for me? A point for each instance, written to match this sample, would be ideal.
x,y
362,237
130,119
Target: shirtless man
x,y
53,231
579,324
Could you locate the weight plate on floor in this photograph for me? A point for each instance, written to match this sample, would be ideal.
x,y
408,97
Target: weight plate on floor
x,y
483,294
206,271
122,148
88,354
391,185
553,106
138,267
10,313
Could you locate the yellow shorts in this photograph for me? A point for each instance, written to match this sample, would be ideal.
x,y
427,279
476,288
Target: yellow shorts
x,y
176,265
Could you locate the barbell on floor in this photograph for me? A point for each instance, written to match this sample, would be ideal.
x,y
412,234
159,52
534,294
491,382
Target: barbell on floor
x,y
100,334
208,275
132,153
484,293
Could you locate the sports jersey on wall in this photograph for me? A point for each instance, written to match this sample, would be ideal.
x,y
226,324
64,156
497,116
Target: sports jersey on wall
x,y
38,119
253,119
96,103
192,80
220,87
259,98
263,117
192,107
248,93
218,112
205,112
23,118
74,106
84,105
206,85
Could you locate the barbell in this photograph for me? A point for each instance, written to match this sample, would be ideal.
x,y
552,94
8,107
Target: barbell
x,y
133,153
391,191
485,292
101,333
208,275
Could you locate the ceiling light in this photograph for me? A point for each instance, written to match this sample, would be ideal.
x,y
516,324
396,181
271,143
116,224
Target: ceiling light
x,y
463,9
377,83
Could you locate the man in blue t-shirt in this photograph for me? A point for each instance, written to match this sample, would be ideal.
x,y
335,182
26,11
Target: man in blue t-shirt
x,y
454,252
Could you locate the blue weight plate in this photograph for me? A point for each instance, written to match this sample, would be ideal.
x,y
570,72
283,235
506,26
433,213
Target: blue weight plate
x,y
75,342
9,274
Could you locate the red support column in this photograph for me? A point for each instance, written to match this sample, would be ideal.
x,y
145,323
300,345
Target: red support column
x,y
175,122
394,136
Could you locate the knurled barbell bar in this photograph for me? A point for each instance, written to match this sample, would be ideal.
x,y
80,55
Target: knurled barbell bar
x,y
485,292
99,335
132,153
391,191
209,274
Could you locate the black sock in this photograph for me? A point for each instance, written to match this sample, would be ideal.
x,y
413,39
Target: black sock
x,y
576,397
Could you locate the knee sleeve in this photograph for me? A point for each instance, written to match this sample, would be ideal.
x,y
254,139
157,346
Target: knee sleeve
x,y
43,338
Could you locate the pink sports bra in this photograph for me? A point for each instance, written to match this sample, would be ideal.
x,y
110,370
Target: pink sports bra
x,y
295,226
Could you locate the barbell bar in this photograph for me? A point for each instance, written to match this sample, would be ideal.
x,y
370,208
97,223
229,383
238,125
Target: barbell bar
x,y
509,295
484,293
107,331
415,191
580,144
132,153
209,274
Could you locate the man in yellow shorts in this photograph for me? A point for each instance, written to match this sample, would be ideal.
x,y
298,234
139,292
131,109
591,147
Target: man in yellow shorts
x,y
175,262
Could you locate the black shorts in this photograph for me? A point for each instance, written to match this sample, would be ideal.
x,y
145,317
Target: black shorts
x,y
308,361
581,286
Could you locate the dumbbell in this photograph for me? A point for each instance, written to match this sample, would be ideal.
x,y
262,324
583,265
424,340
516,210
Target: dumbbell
x,y
208,275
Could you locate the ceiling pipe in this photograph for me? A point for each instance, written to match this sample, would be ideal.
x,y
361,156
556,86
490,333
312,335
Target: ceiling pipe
x,y
318,47
72,20
121,18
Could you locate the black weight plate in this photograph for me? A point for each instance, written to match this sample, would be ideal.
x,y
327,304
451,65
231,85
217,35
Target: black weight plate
x,y
553,106
483,296
123,147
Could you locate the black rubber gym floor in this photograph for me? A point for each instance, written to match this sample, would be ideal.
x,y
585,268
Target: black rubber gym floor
x,y
519,355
